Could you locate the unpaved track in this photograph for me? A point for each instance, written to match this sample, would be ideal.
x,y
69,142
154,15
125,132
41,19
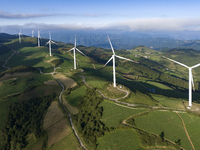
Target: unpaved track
x,y
63,107
186,131
8,59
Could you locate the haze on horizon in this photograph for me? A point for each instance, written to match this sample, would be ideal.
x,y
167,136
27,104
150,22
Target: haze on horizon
x,y
128,15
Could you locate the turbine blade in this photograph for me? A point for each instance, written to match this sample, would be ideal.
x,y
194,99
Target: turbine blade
x,y
126,58
54,42
47,43
195,66
192,81
111,46
109,60
81,52
176,62
70,49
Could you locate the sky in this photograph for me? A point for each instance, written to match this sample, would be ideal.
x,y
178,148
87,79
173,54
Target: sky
x,y
129,15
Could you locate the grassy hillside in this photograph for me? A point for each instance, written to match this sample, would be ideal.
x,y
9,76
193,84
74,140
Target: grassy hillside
x,y
151,87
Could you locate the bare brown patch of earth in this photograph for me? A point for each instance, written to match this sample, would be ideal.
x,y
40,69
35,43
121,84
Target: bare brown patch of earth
x,y
15,75
56,124
68,82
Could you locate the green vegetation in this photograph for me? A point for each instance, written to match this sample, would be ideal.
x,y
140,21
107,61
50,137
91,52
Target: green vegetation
x,y
192,123
70,142
88,118
75,96
113,115
23,118
164,121
119,139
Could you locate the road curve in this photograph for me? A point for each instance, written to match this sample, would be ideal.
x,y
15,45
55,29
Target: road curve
x,y
60,101
8,59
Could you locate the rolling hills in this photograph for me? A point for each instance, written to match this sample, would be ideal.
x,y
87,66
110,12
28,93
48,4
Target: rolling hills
x,y
150,118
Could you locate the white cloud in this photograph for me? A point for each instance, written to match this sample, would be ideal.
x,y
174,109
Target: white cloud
x,y
159,24
22,15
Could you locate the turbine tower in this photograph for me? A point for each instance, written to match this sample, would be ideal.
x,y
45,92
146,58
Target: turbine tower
x,y
113,58
39,38
1,29
32,33
20,35
49,42
190,78
74,51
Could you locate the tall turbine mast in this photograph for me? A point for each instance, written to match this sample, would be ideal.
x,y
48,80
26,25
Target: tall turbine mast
x,y
32,33
39,38
113,58
20,35
49,42
74,51
190,78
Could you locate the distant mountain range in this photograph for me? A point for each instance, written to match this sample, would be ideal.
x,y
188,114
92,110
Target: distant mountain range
x,y
161,41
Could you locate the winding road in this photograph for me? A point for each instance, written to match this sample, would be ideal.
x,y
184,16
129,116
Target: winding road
x,y
60,101
8,59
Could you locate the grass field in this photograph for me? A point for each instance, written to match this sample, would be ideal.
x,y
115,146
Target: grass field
x,y
69,142
164,121
5,56
124,139
113,114
75,95
168,101
192,123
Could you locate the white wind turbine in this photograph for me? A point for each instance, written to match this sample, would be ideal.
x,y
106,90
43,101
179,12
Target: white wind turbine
x,y
190,78
20,35
113,58
32,33
39,38
49,42
74,51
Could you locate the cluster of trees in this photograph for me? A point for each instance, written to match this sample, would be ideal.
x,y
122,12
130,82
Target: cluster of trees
x,y
22,68
88,120
4,49
23,118
57,62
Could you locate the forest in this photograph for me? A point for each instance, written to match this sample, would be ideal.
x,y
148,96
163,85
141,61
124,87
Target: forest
x,y
23,118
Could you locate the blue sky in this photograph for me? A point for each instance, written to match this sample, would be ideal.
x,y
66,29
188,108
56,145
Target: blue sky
x,y
145,15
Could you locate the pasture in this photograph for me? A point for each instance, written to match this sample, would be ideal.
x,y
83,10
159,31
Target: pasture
x,y
164,121
192,123
126,139
113,115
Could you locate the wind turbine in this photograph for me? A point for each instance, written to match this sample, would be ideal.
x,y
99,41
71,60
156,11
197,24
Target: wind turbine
x,y
32,33
74,50
1,29
113,58
49,42
190,78
20,35
39,38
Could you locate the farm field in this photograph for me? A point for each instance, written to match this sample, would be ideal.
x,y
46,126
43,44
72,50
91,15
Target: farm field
x,y
119,139
113,115
164,121
192,123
